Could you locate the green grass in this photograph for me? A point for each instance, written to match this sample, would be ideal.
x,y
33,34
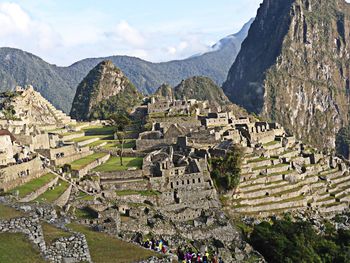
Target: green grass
x,y
70,133
85,197
89,137
113,164
52,233
7,212
129,144
33,185
135,192
271,143
99,130
84,213
16,248
81,163
106,249
51,195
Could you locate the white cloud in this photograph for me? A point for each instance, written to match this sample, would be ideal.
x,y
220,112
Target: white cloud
x,y
17,27
128,34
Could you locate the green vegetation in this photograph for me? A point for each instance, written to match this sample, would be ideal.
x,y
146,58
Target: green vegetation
x,y
201,88
128,144
51,195
52,233
285,241
225,172
81,163
120,122
101,95
99,130
113,164
17,248
343,142
271,143
85,138
84,213
106,249
7,212
33,185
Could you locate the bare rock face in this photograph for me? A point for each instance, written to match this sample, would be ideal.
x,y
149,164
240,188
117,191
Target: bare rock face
x,y
293,67
103,91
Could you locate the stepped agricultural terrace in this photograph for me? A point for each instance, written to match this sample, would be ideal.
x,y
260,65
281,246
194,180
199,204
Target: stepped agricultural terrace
x,y
281,176
27,106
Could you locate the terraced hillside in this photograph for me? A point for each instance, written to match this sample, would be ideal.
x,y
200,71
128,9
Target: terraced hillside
x,y
277,178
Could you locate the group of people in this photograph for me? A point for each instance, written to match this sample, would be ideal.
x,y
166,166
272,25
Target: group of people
x,y
191,257
156,245
185,255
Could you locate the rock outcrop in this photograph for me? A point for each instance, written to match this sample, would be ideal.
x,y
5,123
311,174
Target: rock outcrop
x,y
293,67
201,88
103,91
165,91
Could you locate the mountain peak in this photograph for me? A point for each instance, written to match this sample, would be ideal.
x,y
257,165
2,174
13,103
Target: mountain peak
x,y
292,67
104,90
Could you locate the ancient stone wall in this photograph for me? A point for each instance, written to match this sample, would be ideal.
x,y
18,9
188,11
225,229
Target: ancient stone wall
x,y
85,170
121,175
142,145
18,174
33,195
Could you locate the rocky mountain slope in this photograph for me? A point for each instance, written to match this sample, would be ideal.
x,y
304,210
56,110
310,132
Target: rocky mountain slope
x,y
201,88
103,91
58,84
293,67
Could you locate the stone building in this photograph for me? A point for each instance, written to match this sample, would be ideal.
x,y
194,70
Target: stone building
x,y
183,180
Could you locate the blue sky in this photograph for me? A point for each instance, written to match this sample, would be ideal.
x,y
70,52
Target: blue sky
x,y
65,31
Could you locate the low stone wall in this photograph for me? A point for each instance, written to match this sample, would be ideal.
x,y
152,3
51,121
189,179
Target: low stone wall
x,y
252,165
331,209
277,169
268,199
143,145
258,187
18,174
72,136
274,206
69,249
94,164
39,191
270,191
71,158
127,152
105,176
83,143
63,199
65,249
122,185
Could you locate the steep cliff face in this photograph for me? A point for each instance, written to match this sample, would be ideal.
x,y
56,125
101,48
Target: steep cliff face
x,y
294,67
103,91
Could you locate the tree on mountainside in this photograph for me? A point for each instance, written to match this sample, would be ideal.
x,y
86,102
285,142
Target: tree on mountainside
x,y
225,171
120,121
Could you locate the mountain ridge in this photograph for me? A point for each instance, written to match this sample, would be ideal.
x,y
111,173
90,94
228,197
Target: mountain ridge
x,y
58,84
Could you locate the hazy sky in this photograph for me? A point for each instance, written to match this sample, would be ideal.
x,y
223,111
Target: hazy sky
x,y
64,31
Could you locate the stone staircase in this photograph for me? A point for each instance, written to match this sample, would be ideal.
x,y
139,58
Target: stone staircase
x,y
59,115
